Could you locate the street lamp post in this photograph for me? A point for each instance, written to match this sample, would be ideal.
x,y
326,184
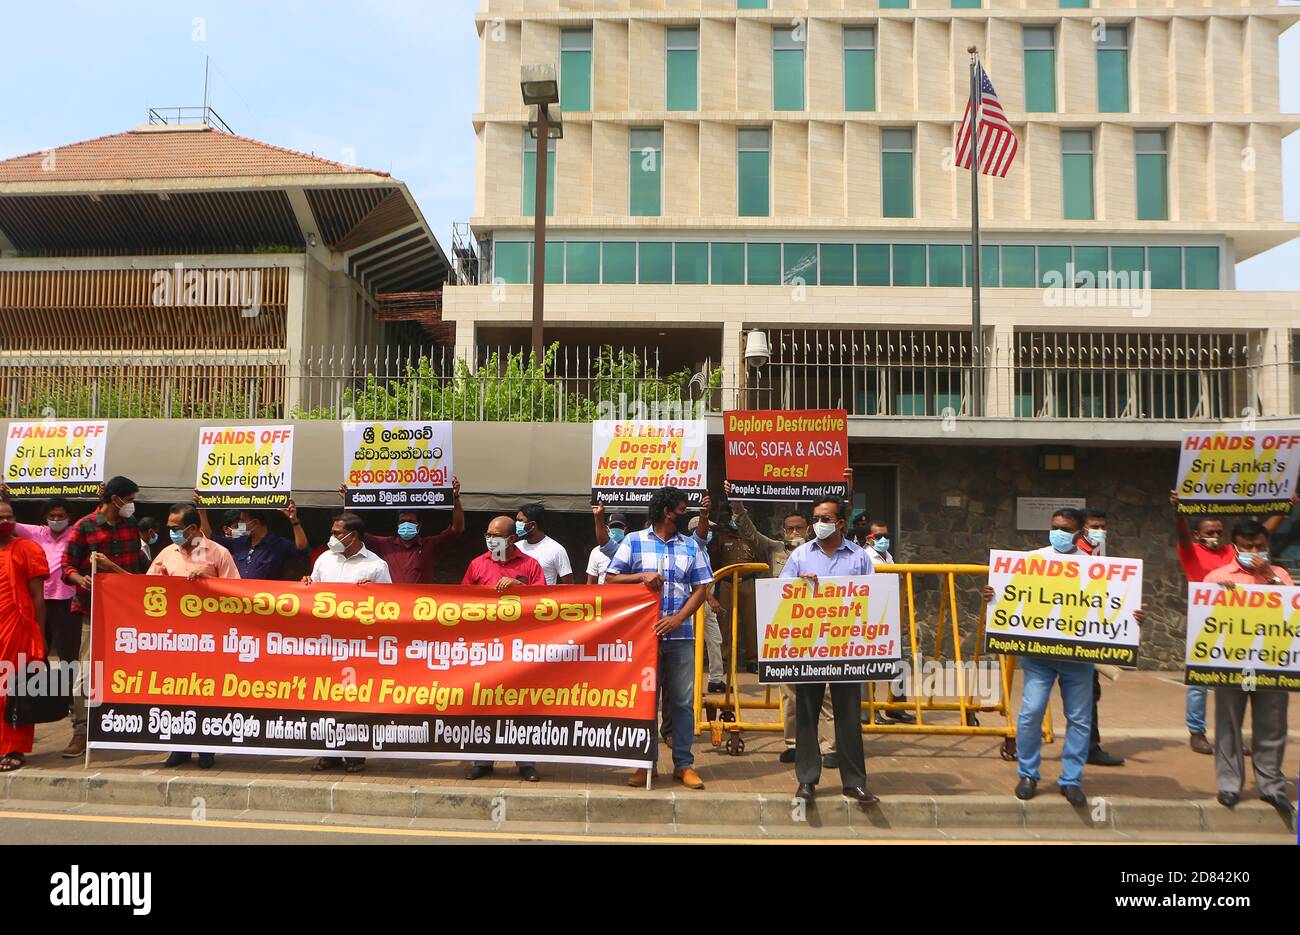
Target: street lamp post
x,y
540,90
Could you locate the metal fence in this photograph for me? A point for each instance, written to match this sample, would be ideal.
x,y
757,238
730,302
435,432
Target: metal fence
x,y
871,374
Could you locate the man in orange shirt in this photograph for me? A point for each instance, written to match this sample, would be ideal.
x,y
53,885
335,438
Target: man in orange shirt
x,y
191,556
1251,566
23,571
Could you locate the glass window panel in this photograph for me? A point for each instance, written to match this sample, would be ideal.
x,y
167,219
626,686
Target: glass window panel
x,y
836,266
554,262
764,264
946,262
691,264
582,262
575,70
1202,265
656,263
513,261
873,264
728,264
909,264
1018,267
1053,260
1166,265
620,262
800,263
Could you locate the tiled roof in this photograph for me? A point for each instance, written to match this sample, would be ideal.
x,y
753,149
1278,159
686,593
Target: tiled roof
x,y
167,152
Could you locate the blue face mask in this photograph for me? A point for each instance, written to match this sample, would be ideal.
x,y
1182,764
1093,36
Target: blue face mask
x,y
408,531
709,537
1247,560
616,535
881,543
520,528
1061,540
177,535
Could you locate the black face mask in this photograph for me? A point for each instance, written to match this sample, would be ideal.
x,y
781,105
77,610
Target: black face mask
x,y
683,523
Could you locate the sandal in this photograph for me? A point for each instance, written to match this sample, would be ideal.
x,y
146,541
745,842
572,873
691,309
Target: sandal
x,y
12,761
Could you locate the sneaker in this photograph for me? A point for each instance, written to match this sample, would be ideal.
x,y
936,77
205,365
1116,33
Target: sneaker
x,y
717,688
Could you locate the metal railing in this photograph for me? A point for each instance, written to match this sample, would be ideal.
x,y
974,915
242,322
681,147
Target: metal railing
x,y
918,375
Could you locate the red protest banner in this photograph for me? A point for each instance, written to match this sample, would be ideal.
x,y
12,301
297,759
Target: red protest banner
x,y
563,674
786,455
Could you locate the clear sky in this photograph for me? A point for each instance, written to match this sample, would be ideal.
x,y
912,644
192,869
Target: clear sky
x,y
393,81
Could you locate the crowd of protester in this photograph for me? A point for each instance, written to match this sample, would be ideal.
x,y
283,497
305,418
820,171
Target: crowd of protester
x,y
47,568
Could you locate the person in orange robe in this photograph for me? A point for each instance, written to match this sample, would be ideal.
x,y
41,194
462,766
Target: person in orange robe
x,y
23,570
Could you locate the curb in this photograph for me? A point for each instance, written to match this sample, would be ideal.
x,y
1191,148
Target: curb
x,y
665,809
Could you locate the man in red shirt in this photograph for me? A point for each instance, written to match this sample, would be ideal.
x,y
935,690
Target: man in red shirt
x,y
1201,550
411,557
503,567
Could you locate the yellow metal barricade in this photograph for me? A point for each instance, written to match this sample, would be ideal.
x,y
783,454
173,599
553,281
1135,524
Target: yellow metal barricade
x,y
723,716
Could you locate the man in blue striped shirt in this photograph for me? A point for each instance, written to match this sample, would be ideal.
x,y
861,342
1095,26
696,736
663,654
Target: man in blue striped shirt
x,y
665,558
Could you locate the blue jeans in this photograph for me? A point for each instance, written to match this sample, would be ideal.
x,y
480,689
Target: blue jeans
x,y
1197,697
1076,697
677,688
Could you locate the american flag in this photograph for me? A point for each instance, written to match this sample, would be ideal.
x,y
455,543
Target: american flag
x,y
998,143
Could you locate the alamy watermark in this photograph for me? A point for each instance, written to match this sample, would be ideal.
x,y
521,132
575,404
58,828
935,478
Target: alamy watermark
x,y
1077,288
208,288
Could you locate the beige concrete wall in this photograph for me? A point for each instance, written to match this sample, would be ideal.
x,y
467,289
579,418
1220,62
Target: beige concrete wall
x,y
610,72
826,169
573,175
646,65
1149,71
681,168
717,169
717,65
1188,188
789,169
610,155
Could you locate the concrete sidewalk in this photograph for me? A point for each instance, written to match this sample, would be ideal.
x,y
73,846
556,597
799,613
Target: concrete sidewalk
x,y
933,782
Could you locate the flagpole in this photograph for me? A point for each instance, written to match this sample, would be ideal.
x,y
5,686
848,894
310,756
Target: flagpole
x,y
977,341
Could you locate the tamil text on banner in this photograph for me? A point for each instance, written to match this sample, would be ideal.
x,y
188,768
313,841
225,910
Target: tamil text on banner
x,y
558,673
786,456
1237,472
1069,607
1247,636
838,630
245,466
55,459
631,459
397,464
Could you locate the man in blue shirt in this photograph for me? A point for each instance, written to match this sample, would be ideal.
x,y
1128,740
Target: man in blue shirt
x,y
259,553
830,554
666,559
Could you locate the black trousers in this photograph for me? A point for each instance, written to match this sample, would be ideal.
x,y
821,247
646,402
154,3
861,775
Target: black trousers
x,y
1096,697
62,630
846,701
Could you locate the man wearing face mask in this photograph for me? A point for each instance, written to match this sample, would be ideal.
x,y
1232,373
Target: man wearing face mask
x,y
1201,550
62,626
532,540
503,566
412,557
109,540
1268,709
877,544
191,556
150,544
346,560
775,553
1076,688
608,536
1093,542
259,554
830,554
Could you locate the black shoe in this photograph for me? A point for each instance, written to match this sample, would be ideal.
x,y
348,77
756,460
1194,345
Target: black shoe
x,y
806,791
478,771
861,794
831,761
1284,808
1229,799
529,774
1074,795
901,717
1099,757
206,760
176,759
717,688
752,668
1026,789
787,755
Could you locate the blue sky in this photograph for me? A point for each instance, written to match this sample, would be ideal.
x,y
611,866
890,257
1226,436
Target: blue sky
x,y
395,81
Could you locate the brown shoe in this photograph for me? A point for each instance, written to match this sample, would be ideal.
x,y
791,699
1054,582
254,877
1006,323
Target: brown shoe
x,y
1200,744
637,779
689,778
76,746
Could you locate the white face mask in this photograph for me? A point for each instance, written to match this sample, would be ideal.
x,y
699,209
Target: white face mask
x,y
1097,536
824,530
239,531
498,545
336,544
58,525
126,510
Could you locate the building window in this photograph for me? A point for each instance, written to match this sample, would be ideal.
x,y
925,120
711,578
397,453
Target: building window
x,y
1112,71
895,4
836,264
873,264
645,173
1076,175
1152,175
1018,267
691,264
575,70
655,263
909,264
946,265
582,262
800,264
787,67
966,4
728,262
859,68
514,261
896,173
619,266
1202,267
529,195
1040,69
753,172
1074,4
751,4
683,66
763,264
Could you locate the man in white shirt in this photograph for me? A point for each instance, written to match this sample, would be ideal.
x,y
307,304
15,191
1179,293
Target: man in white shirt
x,y
532,540
347,561
600,556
